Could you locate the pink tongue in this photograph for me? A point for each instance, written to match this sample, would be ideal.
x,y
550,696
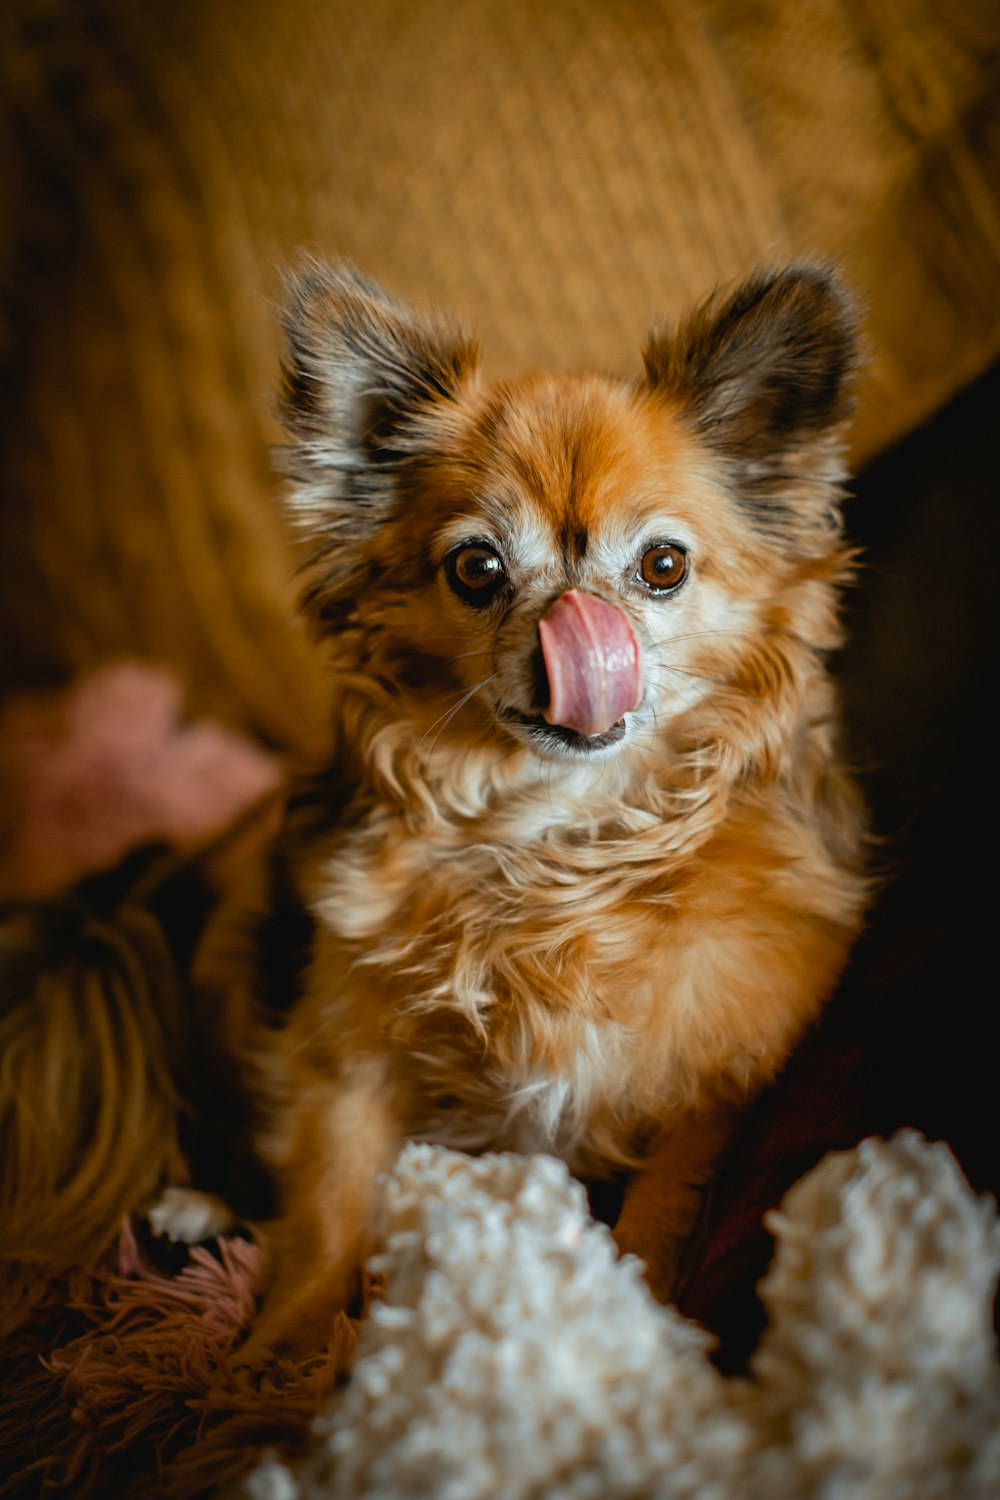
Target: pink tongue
x,y
591,660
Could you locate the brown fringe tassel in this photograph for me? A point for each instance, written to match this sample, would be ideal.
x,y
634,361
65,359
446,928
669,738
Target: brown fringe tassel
x,y
88,1107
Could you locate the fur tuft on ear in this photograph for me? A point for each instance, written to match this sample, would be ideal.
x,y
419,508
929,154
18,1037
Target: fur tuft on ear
x,y
359,364
766,373
366,381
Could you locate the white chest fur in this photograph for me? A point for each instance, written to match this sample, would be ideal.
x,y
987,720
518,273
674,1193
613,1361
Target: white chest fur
x,y
517,936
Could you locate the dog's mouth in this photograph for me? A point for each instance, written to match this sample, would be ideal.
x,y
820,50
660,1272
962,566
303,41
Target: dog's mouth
x,y
546,737
586,677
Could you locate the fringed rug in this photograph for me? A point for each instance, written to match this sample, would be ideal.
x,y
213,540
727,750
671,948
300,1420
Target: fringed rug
x,y
120,1383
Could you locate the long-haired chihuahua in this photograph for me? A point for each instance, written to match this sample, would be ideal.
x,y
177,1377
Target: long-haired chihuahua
x,y
589,860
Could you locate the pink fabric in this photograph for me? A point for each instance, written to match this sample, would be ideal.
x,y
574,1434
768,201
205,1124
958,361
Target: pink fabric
x,y
99,769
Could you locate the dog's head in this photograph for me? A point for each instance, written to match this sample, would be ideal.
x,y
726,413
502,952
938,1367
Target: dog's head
x,y
575,563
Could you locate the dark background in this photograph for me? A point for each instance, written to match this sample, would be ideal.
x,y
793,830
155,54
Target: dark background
x,y
910,1038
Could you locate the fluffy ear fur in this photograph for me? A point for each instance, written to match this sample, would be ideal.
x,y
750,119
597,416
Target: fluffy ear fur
x,y
766,373
366,382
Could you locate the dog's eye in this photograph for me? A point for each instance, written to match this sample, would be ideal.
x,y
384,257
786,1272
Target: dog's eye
x,y
663,568
475,572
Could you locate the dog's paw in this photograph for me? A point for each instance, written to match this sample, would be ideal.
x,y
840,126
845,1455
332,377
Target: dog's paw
x,y
294,1328
270,1345
187,1217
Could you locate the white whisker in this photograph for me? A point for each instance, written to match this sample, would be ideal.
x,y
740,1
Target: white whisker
x,y
704,696
449,714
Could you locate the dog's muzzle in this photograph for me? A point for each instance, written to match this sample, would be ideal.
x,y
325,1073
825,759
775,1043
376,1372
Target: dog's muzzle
x,y
592,663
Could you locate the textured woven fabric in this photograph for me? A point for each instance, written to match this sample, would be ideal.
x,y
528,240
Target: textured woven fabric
x,y
557,172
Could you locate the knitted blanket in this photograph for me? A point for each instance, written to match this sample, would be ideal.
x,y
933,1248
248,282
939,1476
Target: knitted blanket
x,y
559,174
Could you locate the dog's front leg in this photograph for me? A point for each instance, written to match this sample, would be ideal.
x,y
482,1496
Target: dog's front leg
x,y
340,1133
664,1195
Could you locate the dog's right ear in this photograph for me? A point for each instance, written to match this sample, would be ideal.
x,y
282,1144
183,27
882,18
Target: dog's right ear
x,y
367,386
362,380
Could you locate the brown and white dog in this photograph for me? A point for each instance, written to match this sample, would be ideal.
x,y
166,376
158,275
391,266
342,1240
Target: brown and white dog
x,y
591,862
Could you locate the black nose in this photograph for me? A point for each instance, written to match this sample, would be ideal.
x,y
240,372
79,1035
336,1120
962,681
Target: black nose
x,y
539,679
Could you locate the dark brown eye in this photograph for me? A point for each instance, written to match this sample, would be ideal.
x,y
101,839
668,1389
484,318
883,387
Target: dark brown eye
x,y
663,568
475,572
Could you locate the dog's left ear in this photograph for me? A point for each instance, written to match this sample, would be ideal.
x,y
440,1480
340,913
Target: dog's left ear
x,y
766,375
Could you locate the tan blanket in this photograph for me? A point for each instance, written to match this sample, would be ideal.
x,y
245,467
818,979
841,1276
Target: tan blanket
x,y
557,172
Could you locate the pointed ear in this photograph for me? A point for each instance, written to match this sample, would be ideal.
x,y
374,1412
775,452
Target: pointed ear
x,y
367,385
361,375
766,375
359,364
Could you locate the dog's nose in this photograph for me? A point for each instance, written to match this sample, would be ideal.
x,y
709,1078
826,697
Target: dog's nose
x,y
593,667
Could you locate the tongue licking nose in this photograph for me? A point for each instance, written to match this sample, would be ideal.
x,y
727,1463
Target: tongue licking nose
x,y
591,661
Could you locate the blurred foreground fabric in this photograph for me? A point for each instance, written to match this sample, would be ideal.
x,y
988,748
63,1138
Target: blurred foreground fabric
x,y
558,173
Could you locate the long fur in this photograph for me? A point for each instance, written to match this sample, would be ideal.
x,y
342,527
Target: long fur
x,y
522,942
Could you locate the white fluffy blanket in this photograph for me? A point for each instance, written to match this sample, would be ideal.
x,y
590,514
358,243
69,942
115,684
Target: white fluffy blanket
x,y
514,1356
